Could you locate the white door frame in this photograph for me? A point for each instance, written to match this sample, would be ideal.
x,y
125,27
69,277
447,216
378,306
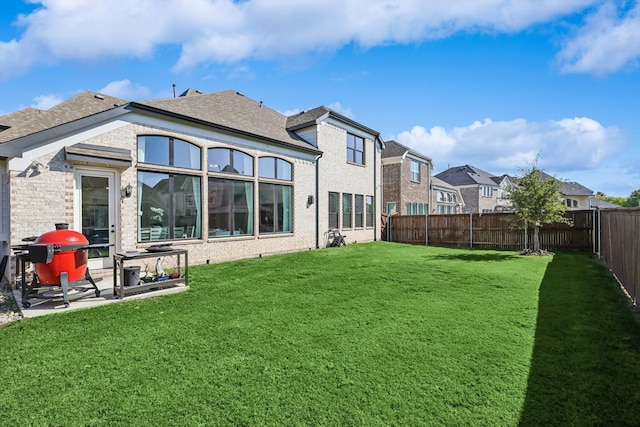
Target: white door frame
x,y
114,210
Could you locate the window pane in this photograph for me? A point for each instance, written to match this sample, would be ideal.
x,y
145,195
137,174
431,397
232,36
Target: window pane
x,y
187,207
230,207
242,163
186,155
334,209
153,206
346,211
267,167
284,170
369,211
359,157
153,149
219,159
276,208
359,210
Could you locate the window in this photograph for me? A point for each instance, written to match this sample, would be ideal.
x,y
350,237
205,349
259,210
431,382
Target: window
x,y
334,209
230,207
274,168
370,211
167,151
415,171
275,208
487,191
487,210
227,160
391,207
346,210
571,203
358,210
169,206
355,149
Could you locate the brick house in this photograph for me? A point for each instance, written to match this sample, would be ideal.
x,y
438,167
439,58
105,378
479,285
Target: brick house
x,y
445,198
216,173
480,189
406,179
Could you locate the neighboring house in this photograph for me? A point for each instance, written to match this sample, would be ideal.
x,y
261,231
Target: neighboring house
x,y
479,189
406,180
445,198
574,195
601,204
503,204
216,173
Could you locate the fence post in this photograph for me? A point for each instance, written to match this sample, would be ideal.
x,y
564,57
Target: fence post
x,y
389,231
426,228
526,235
471,229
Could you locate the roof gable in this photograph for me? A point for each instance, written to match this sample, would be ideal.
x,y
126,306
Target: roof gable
x,y
30,121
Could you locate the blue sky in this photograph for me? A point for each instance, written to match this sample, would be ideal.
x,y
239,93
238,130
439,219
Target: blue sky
x,y
489,83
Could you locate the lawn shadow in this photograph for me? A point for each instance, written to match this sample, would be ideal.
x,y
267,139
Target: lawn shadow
x,y
584,353
483,257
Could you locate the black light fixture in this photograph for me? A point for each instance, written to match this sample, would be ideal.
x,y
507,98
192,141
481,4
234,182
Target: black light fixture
x,y
309,200
126,191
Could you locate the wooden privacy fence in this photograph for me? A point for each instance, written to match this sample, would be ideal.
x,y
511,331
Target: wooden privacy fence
x,y
491,230
620,247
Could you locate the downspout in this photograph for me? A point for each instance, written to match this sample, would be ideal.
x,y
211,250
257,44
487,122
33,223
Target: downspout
x,y
375,187
317,201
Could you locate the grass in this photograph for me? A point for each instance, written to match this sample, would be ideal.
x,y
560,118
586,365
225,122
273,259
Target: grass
x,y
368,334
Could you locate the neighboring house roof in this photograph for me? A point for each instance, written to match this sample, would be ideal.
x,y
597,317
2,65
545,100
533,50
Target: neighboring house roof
x,y
570,188
229,110
395,149
601,204
466,175
31,121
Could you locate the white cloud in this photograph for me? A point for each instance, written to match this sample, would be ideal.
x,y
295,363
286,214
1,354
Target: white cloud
x,y
505,147
227,31
609,41
44,102
345,111
125,89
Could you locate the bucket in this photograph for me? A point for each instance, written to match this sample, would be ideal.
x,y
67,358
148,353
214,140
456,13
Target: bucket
x,y
132,276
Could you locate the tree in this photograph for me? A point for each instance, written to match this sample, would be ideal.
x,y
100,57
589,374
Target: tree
x,y
634,199
537,201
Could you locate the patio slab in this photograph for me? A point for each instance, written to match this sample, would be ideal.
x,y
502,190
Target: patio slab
x,y
40,307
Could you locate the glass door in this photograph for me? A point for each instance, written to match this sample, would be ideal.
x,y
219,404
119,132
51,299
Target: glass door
x,y
97,202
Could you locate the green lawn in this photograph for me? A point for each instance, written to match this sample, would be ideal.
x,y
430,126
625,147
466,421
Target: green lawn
x,y
368,334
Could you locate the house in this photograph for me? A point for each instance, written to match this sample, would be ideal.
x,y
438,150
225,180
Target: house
x,y
574,195
406,180
218,173
480,189
445,198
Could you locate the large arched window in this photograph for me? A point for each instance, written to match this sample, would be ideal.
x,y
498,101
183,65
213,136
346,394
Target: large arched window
x,y
230,199
169,204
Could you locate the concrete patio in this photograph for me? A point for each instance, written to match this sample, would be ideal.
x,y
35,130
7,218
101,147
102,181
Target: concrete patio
x,y
86,299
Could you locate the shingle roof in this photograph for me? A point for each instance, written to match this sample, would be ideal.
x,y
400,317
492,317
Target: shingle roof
x,y
393,149
306,118
30,121
600,204
570,188
466,175
232,110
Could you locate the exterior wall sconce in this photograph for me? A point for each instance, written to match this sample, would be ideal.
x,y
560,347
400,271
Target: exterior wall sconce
x,y
309,200
126,192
